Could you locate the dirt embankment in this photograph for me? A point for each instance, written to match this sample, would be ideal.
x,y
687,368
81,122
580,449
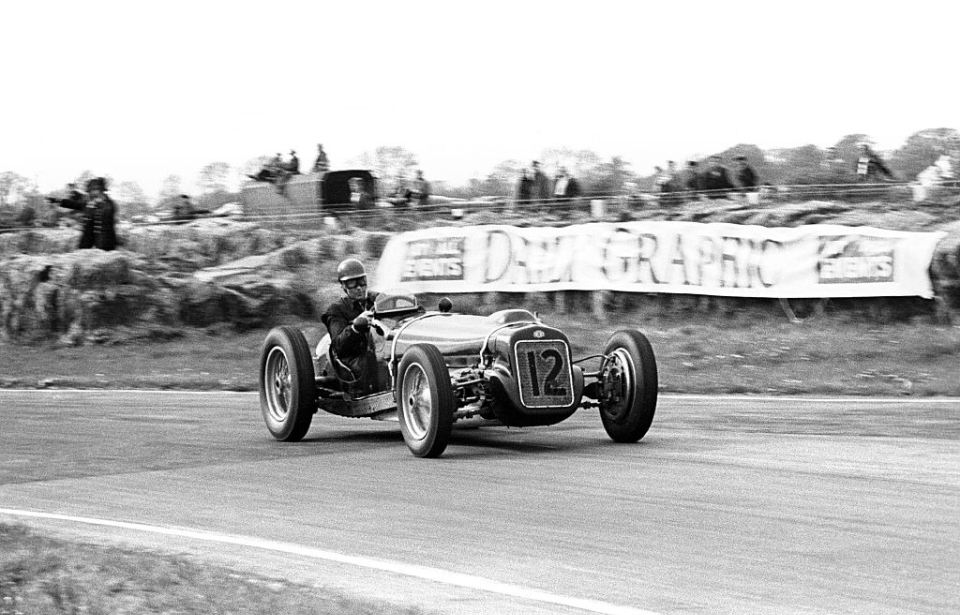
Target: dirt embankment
x,y
163,279
237,274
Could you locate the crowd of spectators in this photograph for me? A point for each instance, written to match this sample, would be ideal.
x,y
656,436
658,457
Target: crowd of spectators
x,y
534,186
713,180
413,192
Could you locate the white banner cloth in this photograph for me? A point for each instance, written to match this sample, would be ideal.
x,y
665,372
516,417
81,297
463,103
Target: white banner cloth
x,y
729,260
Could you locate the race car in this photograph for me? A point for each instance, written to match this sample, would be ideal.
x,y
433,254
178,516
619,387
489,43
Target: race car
x,y
430,369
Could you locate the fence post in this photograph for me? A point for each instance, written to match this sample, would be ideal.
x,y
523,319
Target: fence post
x,y
599,299
560,301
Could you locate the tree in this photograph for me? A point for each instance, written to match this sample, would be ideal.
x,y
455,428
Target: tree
x,y
388,162
803,165
133,198
923,149
848,148
611,177
502,179
82,179
581,164
171,187
755,156
13,187
213,177
130,192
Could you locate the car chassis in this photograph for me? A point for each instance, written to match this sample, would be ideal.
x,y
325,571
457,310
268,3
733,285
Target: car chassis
x,y
430,369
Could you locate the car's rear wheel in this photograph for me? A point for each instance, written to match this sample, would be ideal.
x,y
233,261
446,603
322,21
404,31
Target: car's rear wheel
x,y
287,387
629,386
425,400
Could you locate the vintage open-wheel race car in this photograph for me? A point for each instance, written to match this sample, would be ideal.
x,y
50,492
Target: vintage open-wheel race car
x,y
430,369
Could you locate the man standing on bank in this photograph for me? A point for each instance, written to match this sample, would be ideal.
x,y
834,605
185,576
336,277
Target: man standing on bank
x,y
99,216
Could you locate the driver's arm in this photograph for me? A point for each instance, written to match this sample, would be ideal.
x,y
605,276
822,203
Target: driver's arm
x,y
344,338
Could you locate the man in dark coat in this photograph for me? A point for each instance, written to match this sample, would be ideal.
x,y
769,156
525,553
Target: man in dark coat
x,y
716,179
524,188
746,177
321,164
870,166
99,216
689,179
421,189
566,187
348,320
293,165
541,185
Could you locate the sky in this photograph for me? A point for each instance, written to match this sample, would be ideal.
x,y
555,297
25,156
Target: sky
x,y
143,90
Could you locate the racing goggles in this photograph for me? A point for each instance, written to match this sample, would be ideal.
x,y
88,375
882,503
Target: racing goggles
x,y
355,283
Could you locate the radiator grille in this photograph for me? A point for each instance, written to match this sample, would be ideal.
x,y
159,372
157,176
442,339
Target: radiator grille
x,y
544,373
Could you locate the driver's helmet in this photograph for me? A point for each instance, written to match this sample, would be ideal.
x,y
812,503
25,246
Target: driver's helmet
x,y
350,269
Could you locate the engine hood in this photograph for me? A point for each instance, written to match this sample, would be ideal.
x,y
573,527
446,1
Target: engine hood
x,y
457,334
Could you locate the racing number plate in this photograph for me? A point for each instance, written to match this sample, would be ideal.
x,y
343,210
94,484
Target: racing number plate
x,y
544,373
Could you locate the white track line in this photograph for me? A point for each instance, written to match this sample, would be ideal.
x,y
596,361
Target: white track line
x,y
422,572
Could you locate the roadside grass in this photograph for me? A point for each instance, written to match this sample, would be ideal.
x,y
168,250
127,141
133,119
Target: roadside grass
x,y
741,353
40,575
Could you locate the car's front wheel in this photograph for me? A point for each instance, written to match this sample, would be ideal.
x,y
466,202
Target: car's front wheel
x,y
287,387
425,400
628,385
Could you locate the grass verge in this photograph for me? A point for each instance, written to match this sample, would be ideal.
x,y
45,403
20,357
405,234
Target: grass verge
x,y
46,576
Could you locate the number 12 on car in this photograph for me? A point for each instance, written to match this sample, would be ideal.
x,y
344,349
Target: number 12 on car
x,y
544,374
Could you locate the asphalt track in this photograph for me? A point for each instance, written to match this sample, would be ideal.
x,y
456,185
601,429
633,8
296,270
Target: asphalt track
x,y
730,505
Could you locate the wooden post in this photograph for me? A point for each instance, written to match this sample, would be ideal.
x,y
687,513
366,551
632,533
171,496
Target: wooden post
x,y
560,302
599,299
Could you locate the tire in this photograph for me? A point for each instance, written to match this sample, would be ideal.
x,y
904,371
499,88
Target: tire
x,y
425,400
630,386
287,387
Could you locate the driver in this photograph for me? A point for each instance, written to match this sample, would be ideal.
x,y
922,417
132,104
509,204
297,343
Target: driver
x,y
348,320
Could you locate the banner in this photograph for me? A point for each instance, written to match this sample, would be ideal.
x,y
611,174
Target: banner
x,y
730,260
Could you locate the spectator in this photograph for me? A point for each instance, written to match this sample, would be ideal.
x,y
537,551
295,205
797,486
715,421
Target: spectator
x,y
716,179
271,171
421,189
746,177
183,210
524,188
293,165
566,189
662,180
321,164
689,179
870,167
402,194
99,215
360,196
541,185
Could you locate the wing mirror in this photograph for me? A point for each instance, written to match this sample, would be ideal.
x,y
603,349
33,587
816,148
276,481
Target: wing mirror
x,y
445,305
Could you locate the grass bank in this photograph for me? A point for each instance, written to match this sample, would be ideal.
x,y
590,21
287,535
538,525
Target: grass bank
x,y
40,575
748,353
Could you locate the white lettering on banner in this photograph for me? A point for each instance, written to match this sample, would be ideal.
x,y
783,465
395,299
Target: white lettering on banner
x,y
855,259
517,259
689,260
433,259
664,257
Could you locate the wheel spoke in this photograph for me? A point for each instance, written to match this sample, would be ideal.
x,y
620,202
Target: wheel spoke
x,y
417,402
